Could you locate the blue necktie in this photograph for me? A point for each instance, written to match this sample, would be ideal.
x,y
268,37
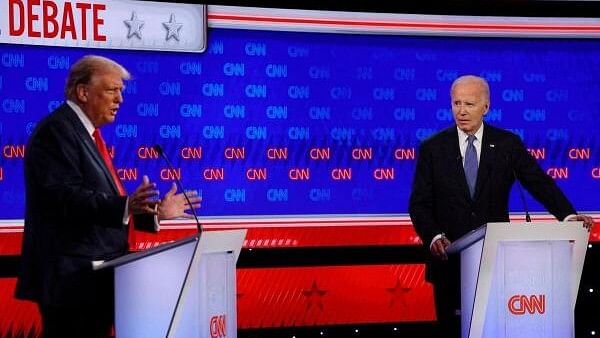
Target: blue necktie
x,y
471,165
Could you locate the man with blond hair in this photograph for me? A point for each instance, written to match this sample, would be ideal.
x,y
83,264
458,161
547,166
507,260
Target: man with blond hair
x,y
77,211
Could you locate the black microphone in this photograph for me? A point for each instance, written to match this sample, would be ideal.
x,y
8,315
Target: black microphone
x,y
160,152
521,194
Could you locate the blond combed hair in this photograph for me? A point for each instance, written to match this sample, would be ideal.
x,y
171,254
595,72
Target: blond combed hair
x,y
85,68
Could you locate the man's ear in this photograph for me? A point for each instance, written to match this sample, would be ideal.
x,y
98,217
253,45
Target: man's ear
x,y
81,92
487,107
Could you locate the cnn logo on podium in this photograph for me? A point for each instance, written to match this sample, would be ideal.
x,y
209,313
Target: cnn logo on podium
x,y
522,304
218,326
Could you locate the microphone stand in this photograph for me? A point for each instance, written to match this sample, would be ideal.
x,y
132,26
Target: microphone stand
x,y
160,152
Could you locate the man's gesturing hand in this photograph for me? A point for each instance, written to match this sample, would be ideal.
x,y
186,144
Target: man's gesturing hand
x,y
142,200
174,205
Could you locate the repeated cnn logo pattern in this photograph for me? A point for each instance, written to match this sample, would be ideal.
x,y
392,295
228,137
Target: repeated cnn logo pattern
x,y
276,123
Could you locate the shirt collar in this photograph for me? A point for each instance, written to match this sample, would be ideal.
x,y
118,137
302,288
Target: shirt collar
x,y
462,136
87,123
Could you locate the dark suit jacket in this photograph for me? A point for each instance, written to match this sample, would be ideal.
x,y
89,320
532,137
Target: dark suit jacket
x,y
73,213
440,200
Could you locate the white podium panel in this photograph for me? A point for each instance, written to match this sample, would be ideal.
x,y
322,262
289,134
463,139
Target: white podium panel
x,y
185,289
147,290
533,299
208,311
521,279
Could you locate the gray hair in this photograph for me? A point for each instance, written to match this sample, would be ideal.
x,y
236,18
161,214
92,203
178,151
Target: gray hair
x,y
473,78
85,68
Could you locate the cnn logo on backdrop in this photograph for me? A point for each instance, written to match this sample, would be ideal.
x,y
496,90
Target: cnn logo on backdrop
x,y
522,304
218,326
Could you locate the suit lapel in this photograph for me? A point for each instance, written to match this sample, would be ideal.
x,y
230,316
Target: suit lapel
x,y
455,159
486,159
90,146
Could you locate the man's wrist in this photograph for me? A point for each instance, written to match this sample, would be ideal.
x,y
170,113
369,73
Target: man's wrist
x,y
125,219
156,218
435,238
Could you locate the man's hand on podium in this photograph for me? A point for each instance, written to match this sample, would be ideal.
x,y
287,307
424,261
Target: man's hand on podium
x,y
588,221
438,248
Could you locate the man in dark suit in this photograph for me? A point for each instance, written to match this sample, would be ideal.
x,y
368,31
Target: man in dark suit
x,y
463,178
77,212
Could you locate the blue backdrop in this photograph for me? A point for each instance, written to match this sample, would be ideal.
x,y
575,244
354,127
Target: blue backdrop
x,y
273,123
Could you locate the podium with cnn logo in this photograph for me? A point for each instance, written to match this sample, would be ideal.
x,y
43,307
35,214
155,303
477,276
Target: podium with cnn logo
x,y
181,289
520,279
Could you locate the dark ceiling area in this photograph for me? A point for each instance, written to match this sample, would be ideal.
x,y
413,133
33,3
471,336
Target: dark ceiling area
x,y
528,8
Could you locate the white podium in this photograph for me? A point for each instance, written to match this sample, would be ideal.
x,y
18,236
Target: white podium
x,y
182,289
520,279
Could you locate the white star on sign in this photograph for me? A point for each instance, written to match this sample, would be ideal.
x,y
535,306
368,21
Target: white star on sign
x,y
172,28
135,26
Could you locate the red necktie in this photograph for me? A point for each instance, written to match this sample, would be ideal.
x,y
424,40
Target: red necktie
x,y
108,161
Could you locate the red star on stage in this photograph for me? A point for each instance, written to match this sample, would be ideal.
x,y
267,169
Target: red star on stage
x,y
314,295
398,293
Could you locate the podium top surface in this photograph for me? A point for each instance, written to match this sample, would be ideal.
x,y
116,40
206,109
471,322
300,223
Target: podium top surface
x,y
521,231
141,254
466,240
